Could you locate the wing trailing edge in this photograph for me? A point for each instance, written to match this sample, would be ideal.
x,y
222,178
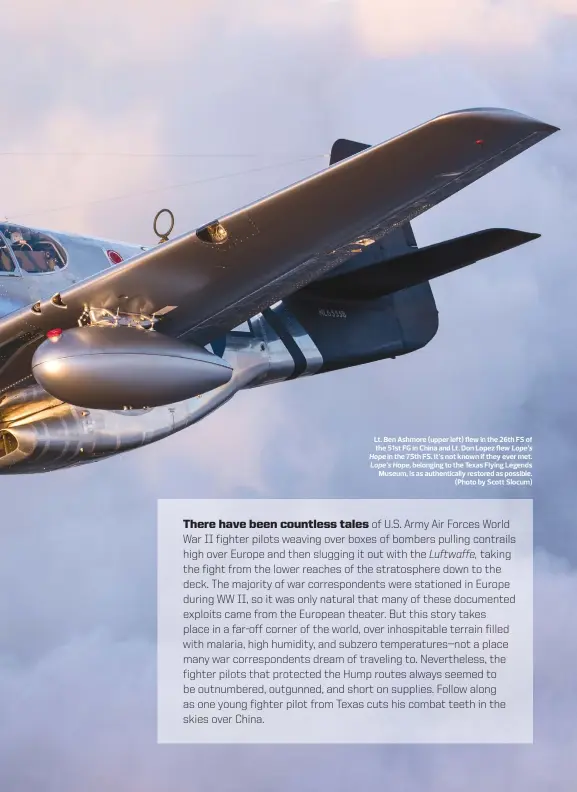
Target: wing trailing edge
x,y
418,265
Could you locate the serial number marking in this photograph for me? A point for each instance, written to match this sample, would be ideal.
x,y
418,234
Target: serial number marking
x,y
332,313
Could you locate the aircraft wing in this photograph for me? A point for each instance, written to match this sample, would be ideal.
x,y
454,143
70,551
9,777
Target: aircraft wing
x,y
209,281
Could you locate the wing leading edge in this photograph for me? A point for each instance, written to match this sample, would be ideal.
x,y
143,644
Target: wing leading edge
x,y
284,241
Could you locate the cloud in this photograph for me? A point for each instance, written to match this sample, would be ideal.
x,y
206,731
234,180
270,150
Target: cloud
x,y
229,448
109,36
86,710
417,27
67,189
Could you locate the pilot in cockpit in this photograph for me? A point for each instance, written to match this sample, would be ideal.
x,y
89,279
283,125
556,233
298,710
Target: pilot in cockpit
x,y
17,238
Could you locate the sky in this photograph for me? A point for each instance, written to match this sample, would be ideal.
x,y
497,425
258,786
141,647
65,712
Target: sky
x,y
274,84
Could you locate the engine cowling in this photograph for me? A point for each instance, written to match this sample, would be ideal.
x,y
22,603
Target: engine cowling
x,y
119,368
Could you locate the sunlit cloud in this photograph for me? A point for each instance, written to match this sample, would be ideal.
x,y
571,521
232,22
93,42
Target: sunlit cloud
x,y
33,187
418,27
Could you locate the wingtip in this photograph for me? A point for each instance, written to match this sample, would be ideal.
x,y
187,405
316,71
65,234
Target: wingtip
x,y
522,236
547,129
528,236
507,116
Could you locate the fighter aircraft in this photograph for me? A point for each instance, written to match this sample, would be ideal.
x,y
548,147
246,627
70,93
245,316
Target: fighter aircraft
x,y
107,346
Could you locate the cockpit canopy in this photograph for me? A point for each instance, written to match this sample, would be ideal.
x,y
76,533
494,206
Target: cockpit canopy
x,y
28,250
